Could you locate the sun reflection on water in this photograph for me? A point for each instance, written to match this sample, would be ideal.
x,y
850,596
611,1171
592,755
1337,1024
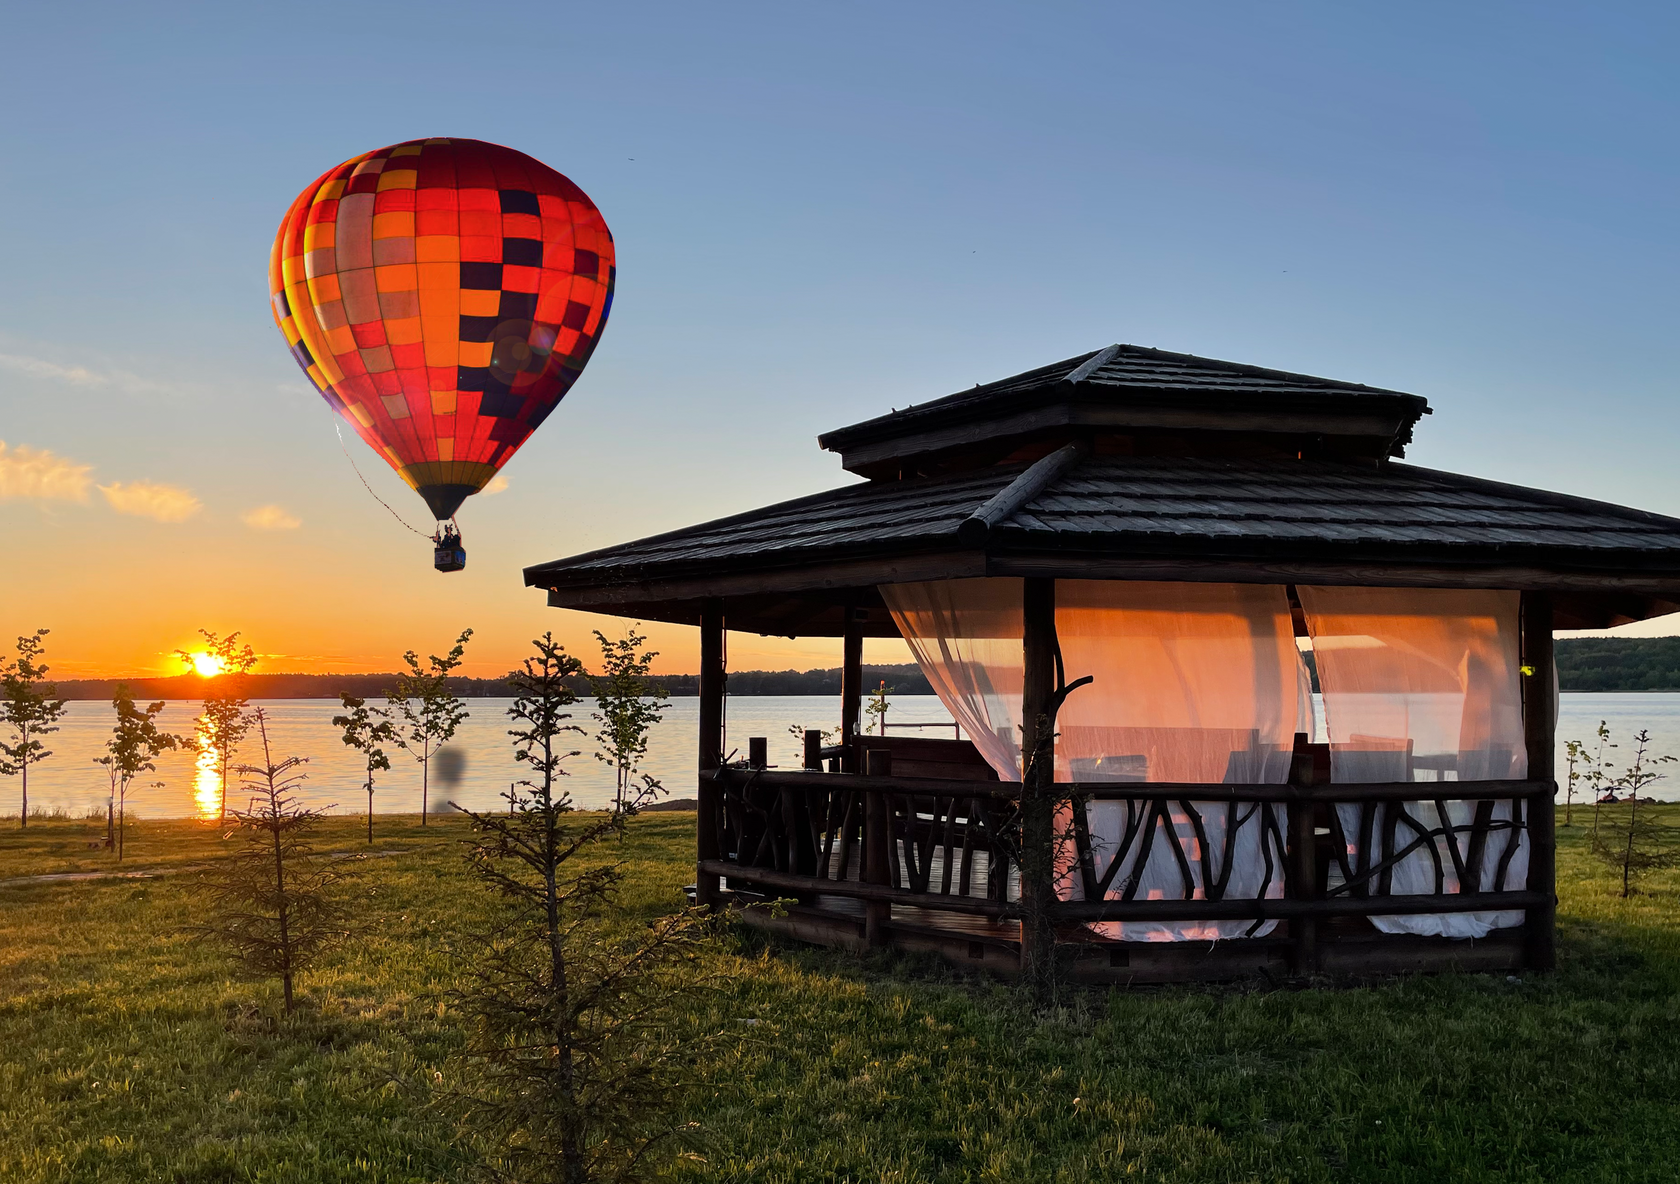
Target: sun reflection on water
x,y
207,779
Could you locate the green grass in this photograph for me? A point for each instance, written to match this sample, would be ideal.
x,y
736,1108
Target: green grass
x,y
129,1053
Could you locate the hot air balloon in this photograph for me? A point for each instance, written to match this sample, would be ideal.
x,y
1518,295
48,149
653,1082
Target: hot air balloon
x,y
443,295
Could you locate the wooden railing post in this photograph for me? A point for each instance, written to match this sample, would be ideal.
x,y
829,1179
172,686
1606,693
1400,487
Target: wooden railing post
x,y
1302,879
1038,890
708,846
1540,736
877,837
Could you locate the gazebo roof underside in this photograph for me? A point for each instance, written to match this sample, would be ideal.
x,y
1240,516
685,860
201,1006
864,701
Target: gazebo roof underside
x,y
794,568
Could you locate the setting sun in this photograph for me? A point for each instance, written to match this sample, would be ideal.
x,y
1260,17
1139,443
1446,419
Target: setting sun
x,y
207,665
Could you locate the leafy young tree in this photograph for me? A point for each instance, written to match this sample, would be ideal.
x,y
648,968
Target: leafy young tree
x,y
1598,776
426,710
797,731
273,901
135,744
575,1056
224,721
877,709
29,710
1636,840
627,707
1575,756
367,730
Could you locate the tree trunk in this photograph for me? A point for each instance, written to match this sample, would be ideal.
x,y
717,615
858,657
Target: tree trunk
x,y
425,786
1627,851
370,807
23,818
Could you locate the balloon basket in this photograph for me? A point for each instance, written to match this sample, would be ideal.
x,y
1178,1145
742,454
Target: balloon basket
x,y
449,557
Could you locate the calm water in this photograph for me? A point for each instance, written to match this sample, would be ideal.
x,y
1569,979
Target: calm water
x,y
70,780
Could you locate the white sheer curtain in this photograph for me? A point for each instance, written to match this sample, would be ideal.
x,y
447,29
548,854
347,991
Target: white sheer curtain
x,y
1424,684
1192,682
966,635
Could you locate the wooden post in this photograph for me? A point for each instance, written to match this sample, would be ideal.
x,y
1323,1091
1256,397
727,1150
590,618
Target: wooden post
x,y
758,752
710,819
813,750
851,690
1038,890
1540,736
877,841
1303,877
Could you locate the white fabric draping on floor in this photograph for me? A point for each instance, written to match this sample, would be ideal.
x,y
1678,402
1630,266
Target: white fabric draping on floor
x,y
1192,682
1423,684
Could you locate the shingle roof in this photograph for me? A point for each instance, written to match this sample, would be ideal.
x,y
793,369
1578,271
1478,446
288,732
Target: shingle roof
x,y
1259,510
1129,378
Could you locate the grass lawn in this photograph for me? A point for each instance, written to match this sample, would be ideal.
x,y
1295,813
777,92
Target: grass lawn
x,y
129,1053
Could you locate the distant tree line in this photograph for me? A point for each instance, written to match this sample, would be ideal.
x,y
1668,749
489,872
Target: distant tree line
x,y
903,679
1584,664
1619,663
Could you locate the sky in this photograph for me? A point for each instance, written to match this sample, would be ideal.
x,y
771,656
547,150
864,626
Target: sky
x,y
821,213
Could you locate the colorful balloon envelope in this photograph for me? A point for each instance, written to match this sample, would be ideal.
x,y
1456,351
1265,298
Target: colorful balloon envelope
x,y
443,296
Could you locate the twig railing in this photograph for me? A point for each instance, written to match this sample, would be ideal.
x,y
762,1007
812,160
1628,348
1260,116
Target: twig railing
x,y
943,844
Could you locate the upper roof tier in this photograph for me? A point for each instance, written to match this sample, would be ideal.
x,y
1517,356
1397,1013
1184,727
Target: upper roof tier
x,y
1156,403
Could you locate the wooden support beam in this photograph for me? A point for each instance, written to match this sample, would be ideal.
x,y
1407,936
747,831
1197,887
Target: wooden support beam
x,y
1540,737
851,690
708,847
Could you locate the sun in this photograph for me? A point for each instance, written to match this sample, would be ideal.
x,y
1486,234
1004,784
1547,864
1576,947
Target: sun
x,y
207,665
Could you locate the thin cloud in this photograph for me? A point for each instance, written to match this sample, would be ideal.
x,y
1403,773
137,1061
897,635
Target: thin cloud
x,y
497,484
149,499
270,518
82,376
40,475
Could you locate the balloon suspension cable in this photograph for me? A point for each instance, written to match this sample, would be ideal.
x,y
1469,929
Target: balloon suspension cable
x,y
337,428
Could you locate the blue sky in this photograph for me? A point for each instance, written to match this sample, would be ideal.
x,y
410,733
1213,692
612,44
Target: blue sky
x,y
822,212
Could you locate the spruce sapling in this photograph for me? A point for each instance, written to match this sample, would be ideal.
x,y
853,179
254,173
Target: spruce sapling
x,y
574,1059
273,901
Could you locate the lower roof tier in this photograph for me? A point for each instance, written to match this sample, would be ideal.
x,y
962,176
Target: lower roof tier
x,y
793,568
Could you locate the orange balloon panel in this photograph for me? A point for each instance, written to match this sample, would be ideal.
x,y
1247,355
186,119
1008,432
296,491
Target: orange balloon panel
x,y
443,295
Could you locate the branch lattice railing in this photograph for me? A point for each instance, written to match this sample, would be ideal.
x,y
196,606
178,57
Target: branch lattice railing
x,y
944,844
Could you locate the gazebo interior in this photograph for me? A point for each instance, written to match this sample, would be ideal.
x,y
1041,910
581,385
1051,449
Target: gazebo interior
x,y
1187,535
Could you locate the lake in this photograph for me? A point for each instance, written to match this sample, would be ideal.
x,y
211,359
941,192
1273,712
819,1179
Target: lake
x,y
71,782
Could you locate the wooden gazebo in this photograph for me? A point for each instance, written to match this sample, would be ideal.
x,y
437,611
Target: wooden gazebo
x,y
1181,529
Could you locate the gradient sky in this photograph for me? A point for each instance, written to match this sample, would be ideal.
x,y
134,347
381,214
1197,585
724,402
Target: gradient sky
x,y
822,212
